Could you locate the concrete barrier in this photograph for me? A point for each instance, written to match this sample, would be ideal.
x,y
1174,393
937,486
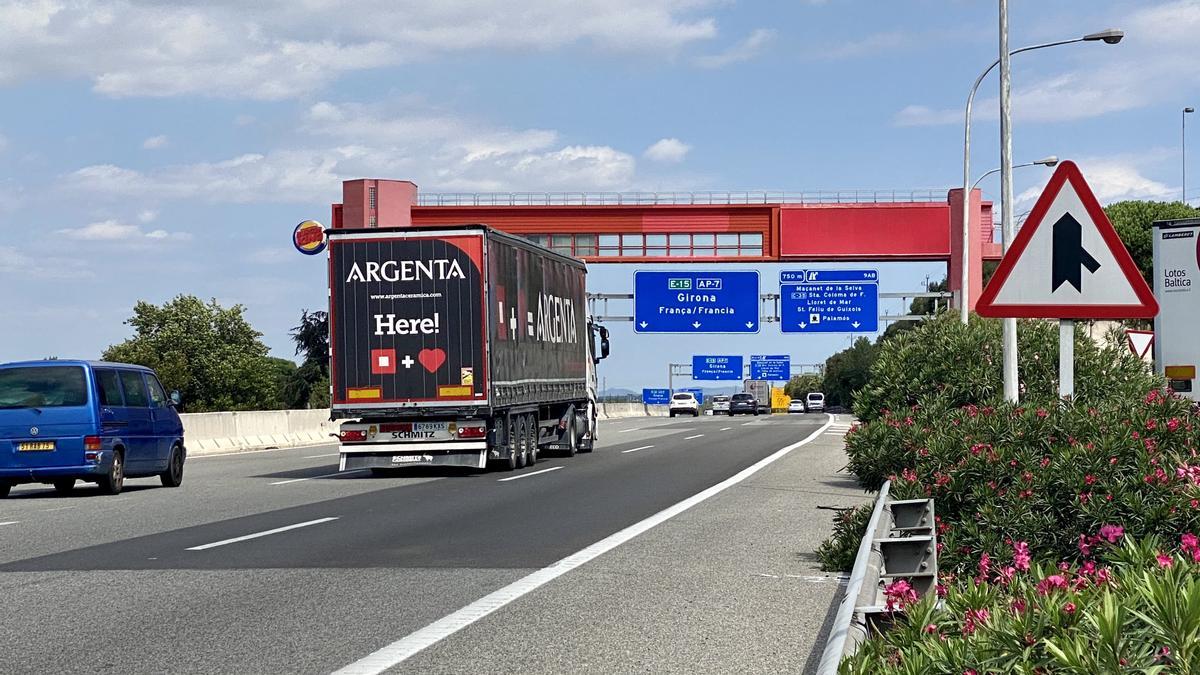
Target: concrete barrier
x,y
617,410
207,433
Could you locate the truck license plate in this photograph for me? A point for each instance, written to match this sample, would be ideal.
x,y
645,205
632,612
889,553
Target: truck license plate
x,y
420,430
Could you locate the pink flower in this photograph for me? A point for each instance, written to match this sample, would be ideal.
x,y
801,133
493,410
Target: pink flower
x,y
1042,413
930,628
1151,396
1021,556
1173,424
1017,606
1051,583
1069,608
973,620
1151,424
1085,545
1005,575
942,591
1103,576
1164,560
899,594
1045,462
1084,497
1111,533
1089,479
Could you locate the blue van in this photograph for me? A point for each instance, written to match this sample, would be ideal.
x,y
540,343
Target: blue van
x,y
63,421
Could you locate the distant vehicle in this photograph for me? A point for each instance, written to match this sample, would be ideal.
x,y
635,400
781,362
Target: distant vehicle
x,y
743,404
720,405
684,403
814,402
64,421
796,406
761,391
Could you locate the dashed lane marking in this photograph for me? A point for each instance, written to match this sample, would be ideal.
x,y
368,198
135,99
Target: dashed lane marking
x,y
324,475
726,428
688,438
406,647
644,447
527,475
256,535
10,522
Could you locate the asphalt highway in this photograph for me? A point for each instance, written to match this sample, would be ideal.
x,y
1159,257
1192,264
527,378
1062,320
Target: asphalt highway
x,y
272,562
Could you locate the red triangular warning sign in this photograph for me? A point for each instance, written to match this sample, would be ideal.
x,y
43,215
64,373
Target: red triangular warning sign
x,y
1067,262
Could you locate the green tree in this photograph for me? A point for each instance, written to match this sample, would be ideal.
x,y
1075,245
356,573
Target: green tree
x,y
209,353
848,371
800,385
308,386
1133,221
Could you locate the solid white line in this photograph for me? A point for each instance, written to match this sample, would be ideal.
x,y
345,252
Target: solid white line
x,y
332,454
726,428
324,475
527,475
644,447
10,522
688,438
260,534
406,647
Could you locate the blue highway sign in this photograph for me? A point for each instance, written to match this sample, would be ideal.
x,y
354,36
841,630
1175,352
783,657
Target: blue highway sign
x,y
777,368
695,302
828,276
831,301
716,368
656,396
697,392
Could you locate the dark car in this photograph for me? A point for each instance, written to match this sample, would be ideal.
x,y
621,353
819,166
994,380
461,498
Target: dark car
x,y
743,404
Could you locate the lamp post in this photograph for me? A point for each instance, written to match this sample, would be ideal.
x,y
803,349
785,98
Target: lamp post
x,y
1111,36
1052,160
1183,146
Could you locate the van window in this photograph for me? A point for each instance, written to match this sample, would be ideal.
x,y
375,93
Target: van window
x,y
42,387
742,397
816,397
135,389
157,397
109,388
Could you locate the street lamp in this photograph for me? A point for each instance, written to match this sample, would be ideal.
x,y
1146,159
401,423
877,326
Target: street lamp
x,y
1111,36
1183,146
1052,160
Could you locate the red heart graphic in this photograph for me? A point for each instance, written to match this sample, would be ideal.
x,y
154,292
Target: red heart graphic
x,y
432,359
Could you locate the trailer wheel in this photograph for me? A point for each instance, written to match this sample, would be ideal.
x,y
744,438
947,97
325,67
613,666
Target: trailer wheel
x,y
509,462
521,447
531,453
571,437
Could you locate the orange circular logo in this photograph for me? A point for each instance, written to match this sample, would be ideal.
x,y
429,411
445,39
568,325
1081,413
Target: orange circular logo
x,y
309,237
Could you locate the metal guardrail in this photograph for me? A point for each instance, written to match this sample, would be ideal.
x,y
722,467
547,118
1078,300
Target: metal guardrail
x,y
900,542
722,197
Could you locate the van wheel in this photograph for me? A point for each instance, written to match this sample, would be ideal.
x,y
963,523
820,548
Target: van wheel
x,y
112,482
173,476
531,442
4,488
64,485
521,447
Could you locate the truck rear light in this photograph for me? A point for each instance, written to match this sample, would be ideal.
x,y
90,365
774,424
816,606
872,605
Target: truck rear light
x,y
472,432
92,443
351,435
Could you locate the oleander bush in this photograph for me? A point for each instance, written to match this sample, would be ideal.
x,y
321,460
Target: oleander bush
x,y
839,550
1129,607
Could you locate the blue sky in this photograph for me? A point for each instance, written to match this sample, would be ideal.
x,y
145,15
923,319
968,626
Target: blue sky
x,y
149,149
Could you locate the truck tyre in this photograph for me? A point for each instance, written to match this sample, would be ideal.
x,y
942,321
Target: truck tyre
x,y
521,450
531,455
571,437
509,461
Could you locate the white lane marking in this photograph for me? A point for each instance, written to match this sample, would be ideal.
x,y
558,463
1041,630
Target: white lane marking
x,y
527,475
746,424
688,438
644,447
61,508
324,475
332,454
256,535
10,522
726,428
625,431
405,648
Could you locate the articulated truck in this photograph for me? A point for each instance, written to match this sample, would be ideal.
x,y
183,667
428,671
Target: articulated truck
x,y
458,346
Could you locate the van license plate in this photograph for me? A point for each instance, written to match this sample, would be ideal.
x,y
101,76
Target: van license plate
x,y
35,446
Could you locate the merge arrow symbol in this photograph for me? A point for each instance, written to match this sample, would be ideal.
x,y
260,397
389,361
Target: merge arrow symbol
x,y
1068,256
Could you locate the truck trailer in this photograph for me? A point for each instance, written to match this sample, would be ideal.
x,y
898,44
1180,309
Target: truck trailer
x,y
458,346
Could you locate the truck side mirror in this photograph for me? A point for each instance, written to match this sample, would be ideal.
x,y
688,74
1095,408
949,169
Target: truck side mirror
x,y
604,344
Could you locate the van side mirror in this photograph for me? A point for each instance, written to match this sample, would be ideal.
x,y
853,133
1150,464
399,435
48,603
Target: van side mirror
x,y
176,399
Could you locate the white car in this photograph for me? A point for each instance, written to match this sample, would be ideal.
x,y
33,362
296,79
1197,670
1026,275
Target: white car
x,y
684,403
814,402
720,405
796,406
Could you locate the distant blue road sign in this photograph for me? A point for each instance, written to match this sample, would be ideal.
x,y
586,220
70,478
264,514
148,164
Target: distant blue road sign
x,y
716,367
697,392
828,276
695,302
776,368
656,396
831,301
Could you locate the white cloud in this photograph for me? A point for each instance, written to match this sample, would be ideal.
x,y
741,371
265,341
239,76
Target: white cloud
x,y
439,151
1113,179
19,265
742,51
154,143
116,231
1153,64
667,150
273,49
147,215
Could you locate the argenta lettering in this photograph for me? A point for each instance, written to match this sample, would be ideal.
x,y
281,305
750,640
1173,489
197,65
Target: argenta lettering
x,y
388,324
556,319
406,270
